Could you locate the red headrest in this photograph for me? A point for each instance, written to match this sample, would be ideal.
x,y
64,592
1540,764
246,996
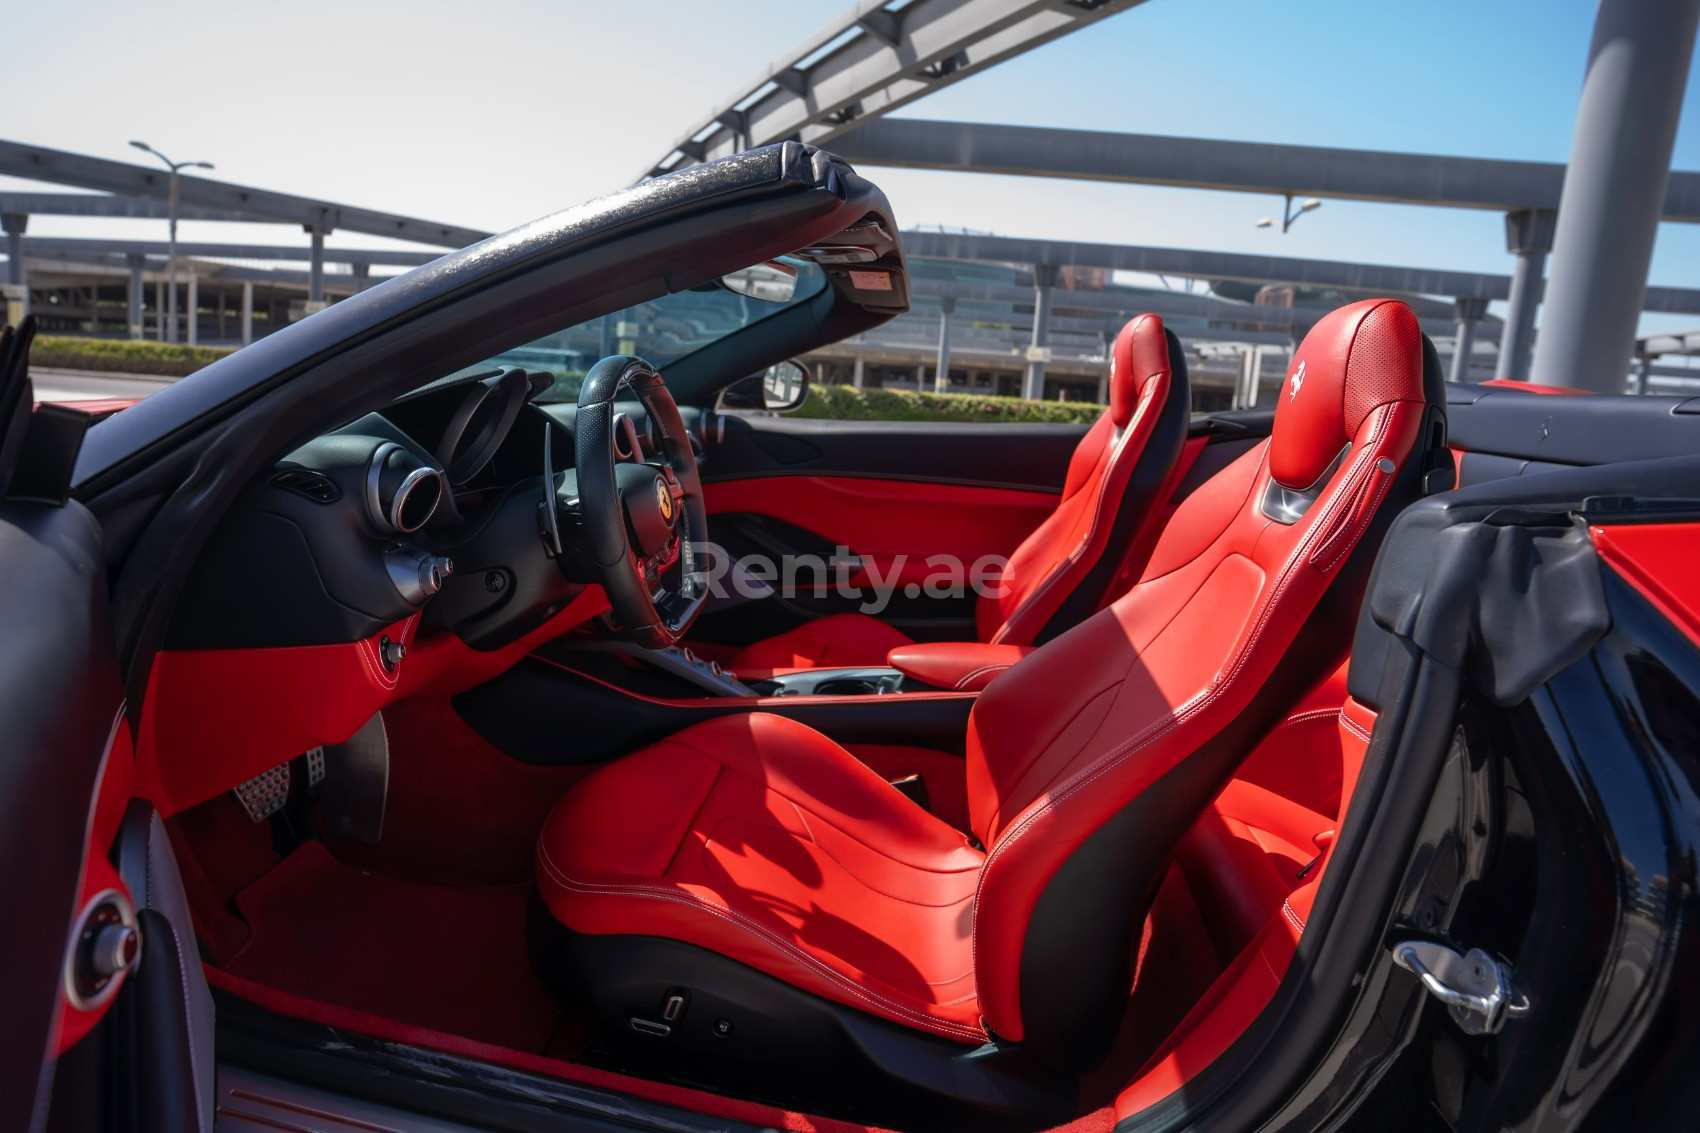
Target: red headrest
x,y
1359,357
1141,350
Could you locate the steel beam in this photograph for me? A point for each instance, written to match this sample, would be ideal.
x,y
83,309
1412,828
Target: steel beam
x,y
1609,214
873,60
37,163
1250,167
107,205
54,247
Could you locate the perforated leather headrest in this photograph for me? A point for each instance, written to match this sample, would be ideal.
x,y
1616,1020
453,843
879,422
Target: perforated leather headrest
x,y
1357,358
1141,349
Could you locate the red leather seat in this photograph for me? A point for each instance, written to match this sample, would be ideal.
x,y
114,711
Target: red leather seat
x,y
1103,520
760,841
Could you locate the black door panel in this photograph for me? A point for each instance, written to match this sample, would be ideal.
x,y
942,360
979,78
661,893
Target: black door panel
x,y
59,700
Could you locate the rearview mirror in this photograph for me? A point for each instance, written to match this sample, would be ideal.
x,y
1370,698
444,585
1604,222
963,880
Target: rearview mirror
x,y
772,282
778,389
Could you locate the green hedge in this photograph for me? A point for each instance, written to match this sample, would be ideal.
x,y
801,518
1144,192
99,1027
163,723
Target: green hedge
x,y
847,403
123,355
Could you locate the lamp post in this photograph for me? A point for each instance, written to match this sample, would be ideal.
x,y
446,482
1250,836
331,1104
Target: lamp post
x,y
1289,215
171,246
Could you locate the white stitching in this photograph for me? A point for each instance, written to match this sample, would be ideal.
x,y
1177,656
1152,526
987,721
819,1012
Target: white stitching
x,y
968,678
1147,396
1292,916
915,1017
1115,758
1355,728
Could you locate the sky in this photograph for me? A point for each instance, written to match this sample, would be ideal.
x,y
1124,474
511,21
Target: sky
x,y
490,115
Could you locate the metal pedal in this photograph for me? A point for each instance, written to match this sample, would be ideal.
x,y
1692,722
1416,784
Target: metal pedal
x,y
266,793
315,766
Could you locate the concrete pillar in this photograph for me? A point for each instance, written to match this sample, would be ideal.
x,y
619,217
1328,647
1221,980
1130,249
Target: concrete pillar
x,y
247,311
192,310
1614,190
315,269
941,374
1528,236
920,377
1251,369
1470,312
159,309
17,297
1044,278
859,372
14,224
363,278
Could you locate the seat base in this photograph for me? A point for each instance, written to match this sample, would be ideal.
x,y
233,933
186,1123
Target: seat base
x,y
742,1031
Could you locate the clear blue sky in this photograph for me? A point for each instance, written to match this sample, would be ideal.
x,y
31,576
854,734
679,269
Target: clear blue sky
x,y
492,114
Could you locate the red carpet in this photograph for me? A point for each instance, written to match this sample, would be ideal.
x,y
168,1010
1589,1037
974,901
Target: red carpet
x,y
449,958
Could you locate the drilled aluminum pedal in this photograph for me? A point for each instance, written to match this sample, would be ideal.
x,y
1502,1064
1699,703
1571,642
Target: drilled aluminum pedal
x,y
315,766
266,793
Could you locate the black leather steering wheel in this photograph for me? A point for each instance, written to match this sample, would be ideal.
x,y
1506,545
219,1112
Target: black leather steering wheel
x,y
644,525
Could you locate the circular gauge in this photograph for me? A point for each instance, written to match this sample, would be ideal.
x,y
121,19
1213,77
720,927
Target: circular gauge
x,y
402,491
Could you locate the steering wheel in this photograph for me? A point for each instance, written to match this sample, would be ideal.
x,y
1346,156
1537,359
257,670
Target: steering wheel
x,y
643,525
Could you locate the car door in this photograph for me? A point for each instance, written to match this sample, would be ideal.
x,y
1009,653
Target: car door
x,y
97,968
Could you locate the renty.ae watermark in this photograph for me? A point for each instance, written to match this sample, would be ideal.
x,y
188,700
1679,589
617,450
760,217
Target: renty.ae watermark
x,y
860,578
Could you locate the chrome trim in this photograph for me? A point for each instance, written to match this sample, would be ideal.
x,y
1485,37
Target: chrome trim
x,y
623,428
409,484
127,917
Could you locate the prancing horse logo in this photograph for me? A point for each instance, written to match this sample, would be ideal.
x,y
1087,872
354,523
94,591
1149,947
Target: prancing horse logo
x,y
1298,380
664,498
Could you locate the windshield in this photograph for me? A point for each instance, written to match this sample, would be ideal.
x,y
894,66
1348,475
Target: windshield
x,y
660,331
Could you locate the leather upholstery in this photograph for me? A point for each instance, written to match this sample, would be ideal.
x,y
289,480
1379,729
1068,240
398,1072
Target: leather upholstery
x,y
758,838
1100,716
837,641
1132,445
965,666
763,841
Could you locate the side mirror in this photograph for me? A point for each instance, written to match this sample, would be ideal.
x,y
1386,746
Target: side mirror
x,y
778,389
772,282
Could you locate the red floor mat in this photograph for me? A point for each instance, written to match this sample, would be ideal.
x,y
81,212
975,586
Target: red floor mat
x,y
450,958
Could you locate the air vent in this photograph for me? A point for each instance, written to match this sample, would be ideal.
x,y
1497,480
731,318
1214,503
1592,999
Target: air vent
x,y
316,486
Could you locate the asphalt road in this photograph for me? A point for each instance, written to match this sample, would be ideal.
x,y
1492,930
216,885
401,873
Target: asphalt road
x,y
84,385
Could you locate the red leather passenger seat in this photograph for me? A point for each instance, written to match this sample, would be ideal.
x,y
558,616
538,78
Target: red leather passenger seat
x,y
1110,497
769,862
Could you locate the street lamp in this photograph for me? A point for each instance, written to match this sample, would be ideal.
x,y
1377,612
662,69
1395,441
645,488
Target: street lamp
x,y
1289,214
171,247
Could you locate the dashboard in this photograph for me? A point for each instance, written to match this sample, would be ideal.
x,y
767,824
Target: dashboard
x,y
430,507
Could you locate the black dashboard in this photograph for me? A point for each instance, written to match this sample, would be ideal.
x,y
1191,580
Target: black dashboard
x,y
430,507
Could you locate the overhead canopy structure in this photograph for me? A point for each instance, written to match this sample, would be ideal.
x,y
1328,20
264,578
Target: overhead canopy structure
x,y
69,248
1178,303
875,58
1251,167
108,206
37,163
1250,268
